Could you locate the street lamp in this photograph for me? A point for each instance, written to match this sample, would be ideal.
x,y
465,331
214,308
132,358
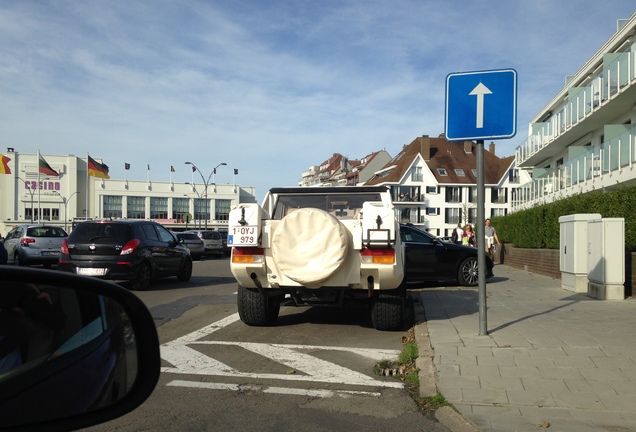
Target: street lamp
x,y
206,183
194,203
65,202
31,191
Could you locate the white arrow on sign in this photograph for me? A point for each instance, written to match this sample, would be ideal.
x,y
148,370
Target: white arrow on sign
x,y
480,91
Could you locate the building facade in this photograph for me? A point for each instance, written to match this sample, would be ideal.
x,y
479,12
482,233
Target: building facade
x,y
584,139
434,183
339,170
27,195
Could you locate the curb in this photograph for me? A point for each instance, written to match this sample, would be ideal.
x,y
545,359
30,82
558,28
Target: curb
x,y
446,415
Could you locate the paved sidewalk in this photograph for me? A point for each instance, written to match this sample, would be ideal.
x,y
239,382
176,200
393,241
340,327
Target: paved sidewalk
x,y
552,360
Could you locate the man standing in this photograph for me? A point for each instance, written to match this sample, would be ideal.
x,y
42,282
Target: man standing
x,y
458,232
490,233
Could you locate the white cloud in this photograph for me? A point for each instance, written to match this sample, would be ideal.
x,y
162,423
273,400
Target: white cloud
x,y
269,88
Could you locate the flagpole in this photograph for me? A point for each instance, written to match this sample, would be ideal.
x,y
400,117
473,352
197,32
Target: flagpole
x,y
39,188
87,187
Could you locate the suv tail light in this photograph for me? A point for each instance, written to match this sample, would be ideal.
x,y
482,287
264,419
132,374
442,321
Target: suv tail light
x,y
377,256
26,240
248,255
130,247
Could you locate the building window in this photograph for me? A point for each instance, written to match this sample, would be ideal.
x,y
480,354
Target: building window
x,y
158,208
453,216
417,175
472,216
472,194
431,190
180,206
112,207
222,209
432,211
453,194
513,176
136,207
498,196
55,214
201,209
442,171
498,212
459,172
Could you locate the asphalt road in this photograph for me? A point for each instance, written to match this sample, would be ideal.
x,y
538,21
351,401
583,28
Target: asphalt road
x,y
313,371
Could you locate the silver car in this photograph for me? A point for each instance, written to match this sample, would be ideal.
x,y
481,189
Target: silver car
x,y
192,242
212,240
34,244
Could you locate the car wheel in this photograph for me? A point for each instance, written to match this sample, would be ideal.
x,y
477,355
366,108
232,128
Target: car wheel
x,y
468,272
186,271
144,274
256,309
388,309
17,261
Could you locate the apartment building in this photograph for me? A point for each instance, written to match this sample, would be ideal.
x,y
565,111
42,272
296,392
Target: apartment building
x,y
584,139
339,170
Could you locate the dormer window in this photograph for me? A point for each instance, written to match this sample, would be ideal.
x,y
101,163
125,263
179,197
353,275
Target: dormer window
x,y
459,172
442,171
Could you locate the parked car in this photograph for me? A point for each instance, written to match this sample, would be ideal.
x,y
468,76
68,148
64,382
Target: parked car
x,y
428,258
192,242
226,249
125,250
212,240
34,244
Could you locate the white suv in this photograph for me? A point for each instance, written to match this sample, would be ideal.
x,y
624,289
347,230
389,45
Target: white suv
x,y
319,245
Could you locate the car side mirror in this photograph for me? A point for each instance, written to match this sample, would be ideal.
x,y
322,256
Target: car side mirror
x,y
74,351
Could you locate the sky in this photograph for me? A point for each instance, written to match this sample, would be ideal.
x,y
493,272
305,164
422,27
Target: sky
x,y
269,87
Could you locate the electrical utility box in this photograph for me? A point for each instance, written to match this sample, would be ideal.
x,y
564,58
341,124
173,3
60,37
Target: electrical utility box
x,y
606,259
573,250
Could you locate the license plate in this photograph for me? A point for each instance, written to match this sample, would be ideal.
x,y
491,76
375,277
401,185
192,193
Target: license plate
x,y
243,236
90,271
50,253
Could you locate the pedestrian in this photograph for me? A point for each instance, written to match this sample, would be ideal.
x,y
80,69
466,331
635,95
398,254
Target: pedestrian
x,y
490,233
457,235
468,237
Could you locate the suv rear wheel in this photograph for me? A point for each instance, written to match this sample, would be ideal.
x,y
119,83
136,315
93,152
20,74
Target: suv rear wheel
x,y
256,309
388,310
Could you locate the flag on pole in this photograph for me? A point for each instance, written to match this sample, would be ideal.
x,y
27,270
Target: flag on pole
x,y
126,166
171,168
235,171
4,165
45,168
96,169
148,167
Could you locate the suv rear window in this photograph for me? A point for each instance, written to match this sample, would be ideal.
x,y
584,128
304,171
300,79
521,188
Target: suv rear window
x,y
45,232
101,232
211,235
342,206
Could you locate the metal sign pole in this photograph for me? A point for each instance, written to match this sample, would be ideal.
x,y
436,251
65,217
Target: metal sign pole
x,y
479,234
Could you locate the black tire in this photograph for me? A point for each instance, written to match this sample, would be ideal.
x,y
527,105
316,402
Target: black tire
x,y
256,309
144,275
185,273
468,274
17,261
388,311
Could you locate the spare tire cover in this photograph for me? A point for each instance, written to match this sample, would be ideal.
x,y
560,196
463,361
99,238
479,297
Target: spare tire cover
x,y
309,246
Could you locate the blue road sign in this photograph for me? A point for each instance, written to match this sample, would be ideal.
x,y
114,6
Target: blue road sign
x,y
481,105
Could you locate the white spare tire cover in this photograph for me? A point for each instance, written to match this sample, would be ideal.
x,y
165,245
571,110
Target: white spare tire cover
x,y
309,246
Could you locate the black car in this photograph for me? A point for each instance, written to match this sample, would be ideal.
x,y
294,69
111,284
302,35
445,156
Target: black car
x,y
125,250
427,258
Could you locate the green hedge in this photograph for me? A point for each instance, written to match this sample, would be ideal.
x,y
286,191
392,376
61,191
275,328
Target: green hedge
x,y
538,227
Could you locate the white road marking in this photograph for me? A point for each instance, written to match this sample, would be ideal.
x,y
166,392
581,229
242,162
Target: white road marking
x,y
187,360
273,390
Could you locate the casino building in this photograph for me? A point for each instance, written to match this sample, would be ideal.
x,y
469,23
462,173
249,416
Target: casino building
x,y
29,192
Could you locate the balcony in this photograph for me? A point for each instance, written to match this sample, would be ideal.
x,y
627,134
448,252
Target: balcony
x,y
604,166
587,108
